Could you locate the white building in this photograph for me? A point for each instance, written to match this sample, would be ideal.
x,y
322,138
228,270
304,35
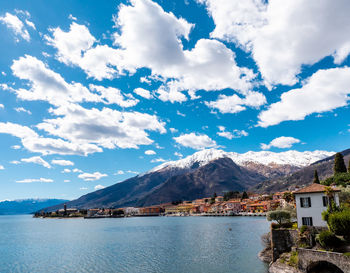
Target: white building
x,y
311,202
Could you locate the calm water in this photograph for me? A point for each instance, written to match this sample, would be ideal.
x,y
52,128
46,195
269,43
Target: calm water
x,y
154,244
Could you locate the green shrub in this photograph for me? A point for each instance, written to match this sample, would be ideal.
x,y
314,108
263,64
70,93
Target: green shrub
x,y
328,240
303,229
293,260
339,223
347,254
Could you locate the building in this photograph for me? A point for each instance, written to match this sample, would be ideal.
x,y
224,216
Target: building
x,y
311,201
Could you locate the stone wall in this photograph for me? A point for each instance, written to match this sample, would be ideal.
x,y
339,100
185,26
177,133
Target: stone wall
x,y
282,240
308,257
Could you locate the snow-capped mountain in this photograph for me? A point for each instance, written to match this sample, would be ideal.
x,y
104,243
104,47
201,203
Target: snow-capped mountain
x,y
266,158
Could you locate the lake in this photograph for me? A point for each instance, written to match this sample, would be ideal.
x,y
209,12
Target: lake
x,y
148,244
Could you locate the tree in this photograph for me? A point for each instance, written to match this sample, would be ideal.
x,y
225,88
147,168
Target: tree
x,y
339,223
349,166
339,164
245,195
280,216
288,196
316,179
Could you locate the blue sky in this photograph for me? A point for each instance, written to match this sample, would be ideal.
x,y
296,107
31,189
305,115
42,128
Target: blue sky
x,y
93,93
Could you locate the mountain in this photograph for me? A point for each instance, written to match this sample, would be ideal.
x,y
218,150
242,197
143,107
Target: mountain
x,y
302,177
27,206
198,175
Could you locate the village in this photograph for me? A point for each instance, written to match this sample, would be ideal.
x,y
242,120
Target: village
x,y
240,205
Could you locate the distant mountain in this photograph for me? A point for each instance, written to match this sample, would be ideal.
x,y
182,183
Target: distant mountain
x,y
27,206
198,175
302,177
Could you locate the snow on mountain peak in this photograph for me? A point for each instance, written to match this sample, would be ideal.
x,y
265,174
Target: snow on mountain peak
x,y
294,158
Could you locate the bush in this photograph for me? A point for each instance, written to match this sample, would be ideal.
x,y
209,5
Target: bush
x,y
280,216
328,240
303,229
339,223
293,260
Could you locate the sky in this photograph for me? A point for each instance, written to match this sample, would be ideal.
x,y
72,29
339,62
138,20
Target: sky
x,y
92,93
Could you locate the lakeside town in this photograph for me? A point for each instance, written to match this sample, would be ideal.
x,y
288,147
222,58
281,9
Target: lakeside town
x,y
230,204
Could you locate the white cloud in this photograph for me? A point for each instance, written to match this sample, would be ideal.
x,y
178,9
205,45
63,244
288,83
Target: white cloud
x,y
173,130
66,171
99,187
143,93
62,162
83,188
284,35
180,114
15,162
133,172
234,104
178,154
157,160
28,180
34,143
2,106
71,17
195,141
106,128
324,91
47,85
150,152
120,172
16,25
92,176
230,135
30,24
2,167
66,181
280,142
77,170
113,95
210,65
21,109
37,160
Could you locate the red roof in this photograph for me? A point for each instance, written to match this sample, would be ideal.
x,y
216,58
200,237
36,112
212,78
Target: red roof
x,y
313,188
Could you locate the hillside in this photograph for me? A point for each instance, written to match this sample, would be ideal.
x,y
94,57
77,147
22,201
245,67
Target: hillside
x,y
198,175
27,206
302,177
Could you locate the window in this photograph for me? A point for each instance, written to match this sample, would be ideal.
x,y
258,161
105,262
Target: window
x,y
325,201
307,221
305,202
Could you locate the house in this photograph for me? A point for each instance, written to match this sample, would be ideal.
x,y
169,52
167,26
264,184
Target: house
x,y
311,201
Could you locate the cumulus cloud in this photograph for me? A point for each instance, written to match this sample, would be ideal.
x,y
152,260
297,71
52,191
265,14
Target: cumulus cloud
x,y
284,35
113,95
2,167
324,91
106,128
99,187
234,104
178,154
66,171
62,162
15,162
143,93
66,181
195,141
35,143
2,106
16,25
92,176
150,152
47,85
280,142
120,172
29,180
210,65
37,160
230,135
